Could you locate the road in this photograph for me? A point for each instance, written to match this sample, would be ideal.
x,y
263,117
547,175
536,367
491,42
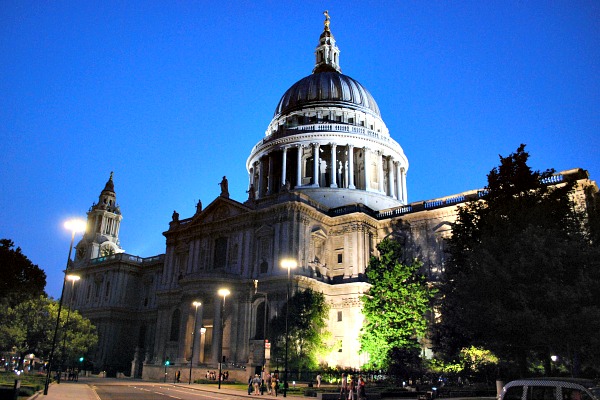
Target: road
x,y
157,391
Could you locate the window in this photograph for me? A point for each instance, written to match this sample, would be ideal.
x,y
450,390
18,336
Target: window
x,y
340,258
574,394
220,253
350,120
264,267
107,289
541,393
175,319
339,316
514,393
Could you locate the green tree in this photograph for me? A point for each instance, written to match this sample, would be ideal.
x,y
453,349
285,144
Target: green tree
x,y
307,321
395,309
28,327
522,276
20,278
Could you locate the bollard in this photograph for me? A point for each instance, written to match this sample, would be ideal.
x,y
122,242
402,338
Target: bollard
x,y
16,389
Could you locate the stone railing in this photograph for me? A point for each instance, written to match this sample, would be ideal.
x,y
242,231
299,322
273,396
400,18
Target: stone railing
x,y
127,258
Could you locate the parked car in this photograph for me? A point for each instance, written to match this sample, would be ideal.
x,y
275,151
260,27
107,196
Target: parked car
x,y
550,389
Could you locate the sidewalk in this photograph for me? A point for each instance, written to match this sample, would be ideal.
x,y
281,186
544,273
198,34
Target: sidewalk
x,y
68,390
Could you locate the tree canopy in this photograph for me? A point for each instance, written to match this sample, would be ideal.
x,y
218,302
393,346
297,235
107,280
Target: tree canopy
x,y
308,313
20,278
395,308
28,327
522,276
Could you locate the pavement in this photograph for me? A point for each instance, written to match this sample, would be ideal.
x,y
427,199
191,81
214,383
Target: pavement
x,y
83,390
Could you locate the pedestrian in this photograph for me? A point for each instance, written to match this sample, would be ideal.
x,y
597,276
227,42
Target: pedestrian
x,y
275,385
269,381
319,380
250,385
344,388
256,384
352,388
360,390
178,376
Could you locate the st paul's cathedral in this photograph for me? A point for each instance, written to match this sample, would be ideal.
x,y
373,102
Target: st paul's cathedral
x,y
326,183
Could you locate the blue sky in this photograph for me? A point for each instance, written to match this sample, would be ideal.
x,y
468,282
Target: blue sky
x,y
172,95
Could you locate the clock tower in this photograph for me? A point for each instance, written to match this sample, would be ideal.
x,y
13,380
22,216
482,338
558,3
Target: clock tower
x,y
101,238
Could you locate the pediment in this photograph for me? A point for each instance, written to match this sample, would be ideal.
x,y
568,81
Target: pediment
x,y
220,209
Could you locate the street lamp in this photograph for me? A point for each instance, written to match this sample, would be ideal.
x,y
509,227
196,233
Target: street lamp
x,y
289,264
222,292
74,225
73,279
195,304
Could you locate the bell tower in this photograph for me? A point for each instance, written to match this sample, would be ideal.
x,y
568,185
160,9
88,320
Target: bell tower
x,y
101,238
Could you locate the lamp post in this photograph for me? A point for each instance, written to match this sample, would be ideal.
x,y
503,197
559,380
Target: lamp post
x,y
74,225
73,279
224,293
289,264
195,304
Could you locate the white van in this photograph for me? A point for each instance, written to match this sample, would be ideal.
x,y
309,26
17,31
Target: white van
x,y
550,389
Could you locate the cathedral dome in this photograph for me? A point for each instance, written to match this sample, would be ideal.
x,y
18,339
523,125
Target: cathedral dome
x,y
327,142
329,88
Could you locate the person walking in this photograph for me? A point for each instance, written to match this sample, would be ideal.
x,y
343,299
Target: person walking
x,y
256,384
360,389
352,388
319,380
344,388
269,381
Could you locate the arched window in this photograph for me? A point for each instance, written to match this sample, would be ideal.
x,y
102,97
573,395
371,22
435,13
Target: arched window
x,y
260,321
175,320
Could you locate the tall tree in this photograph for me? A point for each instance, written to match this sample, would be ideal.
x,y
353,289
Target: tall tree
x,y
522,278
395,308
20,278
307,321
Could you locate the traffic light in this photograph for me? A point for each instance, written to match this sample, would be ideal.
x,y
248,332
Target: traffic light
x,y
167,362
80,359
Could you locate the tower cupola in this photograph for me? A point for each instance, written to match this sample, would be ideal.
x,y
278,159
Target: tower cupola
x,y
327,53
103,222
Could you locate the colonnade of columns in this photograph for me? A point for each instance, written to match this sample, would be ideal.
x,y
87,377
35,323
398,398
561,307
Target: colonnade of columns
x,y
338,171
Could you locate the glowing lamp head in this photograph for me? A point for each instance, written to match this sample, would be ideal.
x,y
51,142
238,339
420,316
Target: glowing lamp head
x,y
196,303
288,263
73,278
224,292
75,225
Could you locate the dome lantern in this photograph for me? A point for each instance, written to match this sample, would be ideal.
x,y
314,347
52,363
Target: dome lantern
x,y
327,53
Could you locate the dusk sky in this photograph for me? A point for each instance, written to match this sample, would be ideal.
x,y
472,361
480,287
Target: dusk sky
x,y
172,95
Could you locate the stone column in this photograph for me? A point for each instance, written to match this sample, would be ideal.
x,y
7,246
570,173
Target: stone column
x,y
299,166
217,337
270,183
366,168
333,166
259,190
404,194
197,335
316,147
398,181
381,187
351,167
284,166
391,177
